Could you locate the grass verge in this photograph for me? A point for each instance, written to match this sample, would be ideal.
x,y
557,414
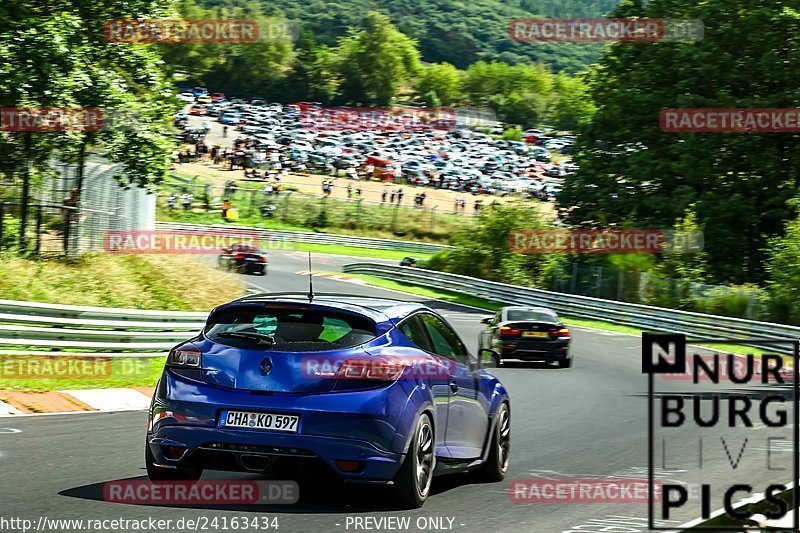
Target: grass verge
x,y
355,251
63,372
174,282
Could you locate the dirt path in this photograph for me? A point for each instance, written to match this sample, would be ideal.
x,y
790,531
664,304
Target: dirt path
x,y
371,191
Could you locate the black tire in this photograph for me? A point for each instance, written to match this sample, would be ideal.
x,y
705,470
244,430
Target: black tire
x,y
565,363
157,473
496,465
413,481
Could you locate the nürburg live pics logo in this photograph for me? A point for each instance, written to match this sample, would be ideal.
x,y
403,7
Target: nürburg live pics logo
x,y
726,423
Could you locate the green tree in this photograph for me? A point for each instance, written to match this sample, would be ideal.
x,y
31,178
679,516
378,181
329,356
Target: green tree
x,y
783,269
375,62
443,80
573,107
739,182
483,251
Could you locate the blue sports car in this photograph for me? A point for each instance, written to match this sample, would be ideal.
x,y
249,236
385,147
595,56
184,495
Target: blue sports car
x,y
371,390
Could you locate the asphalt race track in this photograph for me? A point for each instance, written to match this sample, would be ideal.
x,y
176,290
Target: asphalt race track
x,y
589,421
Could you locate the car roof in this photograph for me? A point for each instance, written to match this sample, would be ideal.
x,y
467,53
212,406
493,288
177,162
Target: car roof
x,y
547,310
378,309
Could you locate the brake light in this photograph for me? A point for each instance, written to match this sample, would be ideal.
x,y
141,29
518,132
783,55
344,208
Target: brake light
x,y
370,368
184,357
239,256
262,259
562,333
506,330
351,466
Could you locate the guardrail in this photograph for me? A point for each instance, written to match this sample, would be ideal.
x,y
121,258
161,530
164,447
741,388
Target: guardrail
x,y
661,319
38,328
313,237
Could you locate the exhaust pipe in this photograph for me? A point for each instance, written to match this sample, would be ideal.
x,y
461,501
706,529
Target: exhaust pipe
x,y
255,463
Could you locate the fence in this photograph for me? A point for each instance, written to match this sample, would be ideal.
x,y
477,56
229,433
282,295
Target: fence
x,y
312,237
649,289
303,210
640,316
35,328
58,226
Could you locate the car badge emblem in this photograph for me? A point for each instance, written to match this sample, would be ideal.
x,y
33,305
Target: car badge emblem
x,y
265,366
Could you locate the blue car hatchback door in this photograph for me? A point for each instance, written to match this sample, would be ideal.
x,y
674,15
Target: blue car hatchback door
x,y
369,390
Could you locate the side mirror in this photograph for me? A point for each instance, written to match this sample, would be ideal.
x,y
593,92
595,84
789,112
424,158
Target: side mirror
x,y
487,358
486,320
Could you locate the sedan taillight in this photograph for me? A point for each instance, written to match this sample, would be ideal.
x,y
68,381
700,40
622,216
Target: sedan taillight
x,y
506,330
562,333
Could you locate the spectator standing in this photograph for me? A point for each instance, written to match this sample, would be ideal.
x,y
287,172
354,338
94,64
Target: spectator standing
x,y
172,202
187,201
226,205
400,194
384,194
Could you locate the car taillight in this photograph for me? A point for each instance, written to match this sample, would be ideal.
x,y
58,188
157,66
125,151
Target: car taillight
x,y
262,259
239,256
562,333
371,369
184,357
506,330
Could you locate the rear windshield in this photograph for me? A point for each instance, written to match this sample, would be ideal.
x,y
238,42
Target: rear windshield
x,y
244,248
294,330
529,315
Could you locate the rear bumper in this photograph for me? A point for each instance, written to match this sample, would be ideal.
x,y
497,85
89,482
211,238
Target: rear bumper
x,y
536,351
247,450
371,426
250,267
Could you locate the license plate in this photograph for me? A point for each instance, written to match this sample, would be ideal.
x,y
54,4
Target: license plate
x,y
270,421
535,334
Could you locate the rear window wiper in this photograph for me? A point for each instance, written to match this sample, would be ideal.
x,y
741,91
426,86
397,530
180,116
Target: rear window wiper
x,y
258,338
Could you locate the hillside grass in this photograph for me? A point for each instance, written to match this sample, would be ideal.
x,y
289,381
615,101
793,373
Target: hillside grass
x,y
168,282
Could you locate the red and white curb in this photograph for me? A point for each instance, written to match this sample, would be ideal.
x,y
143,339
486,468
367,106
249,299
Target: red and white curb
x,y
111,399
6,409
73,401
331,275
